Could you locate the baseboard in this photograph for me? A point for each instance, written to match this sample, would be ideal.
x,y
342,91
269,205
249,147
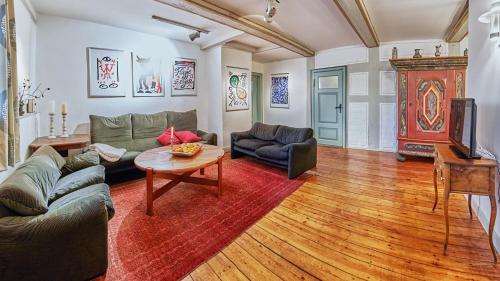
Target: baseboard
x,y
484,219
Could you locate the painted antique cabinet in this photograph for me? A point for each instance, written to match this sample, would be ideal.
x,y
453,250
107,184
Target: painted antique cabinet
x,y
425,89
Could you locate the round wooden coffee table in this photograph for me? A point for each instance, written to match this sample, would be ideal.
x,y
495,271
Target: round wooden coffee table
x,y
160,163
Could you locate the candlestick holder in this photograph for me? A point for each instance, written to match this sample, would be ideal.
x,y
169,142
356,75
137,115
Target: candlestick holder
x,y
64,126
171,143
52,135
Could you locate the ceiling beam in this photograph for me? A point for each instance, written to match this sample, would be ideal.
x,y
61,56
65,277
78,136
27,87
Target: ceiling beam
x,y
224,38
357,15
459,27
231,19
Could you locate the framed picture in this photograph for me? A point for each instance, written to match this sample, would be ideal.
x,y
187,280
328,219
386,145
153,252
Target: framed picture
x,y
184,77
237,88
279,90
109,72
149,80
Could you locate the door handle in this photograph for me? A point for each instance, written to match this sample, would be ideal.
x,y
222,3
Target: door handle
x,y
339,107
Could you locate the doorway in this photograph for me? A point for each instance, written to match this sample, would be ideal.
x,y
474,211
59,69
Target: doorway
x,y
257,115
328,105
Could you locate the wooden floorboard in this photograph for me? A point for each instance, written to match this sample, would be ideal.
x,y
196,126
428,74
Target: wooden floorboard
x,y
362,216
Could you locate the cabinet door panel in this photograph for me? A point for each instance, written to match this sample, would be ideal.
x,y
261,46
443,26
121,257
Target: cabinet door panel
x,y
430,93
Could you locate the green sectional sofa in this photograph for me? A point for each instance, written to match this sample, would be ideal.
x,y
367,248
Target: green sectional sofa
x,y
53,227
138,132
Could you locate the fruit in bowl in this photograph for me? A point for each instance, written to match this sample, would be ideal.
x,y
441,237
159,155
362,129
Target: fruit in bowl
x,y
187,148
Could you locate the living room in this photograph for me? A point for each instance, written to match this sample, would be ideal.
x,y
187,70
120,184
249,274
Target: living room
x,y
249,140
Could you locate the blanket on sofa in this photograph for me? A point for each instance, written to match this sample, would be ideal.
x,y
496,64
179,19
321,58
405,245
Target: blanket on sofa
x,y
108,152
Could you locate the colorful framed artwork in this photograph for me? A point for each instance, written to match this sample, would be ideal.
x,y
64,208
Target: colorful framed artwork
x,y
109,72
184,77
280,97
237,88
149,80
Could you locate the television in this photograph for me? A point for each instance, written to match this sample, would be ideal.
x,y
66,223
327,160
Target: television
x,y
462,132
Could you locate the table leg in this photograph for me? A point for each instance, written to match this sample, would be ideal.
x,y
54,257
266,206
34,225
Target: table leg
x,y
219,177
435,190
492,225
149,191
202,171
470,205
446,219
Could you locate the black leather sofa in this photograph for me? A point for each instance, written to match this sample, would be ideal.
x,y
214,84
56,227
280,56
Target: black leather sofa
x,y
290,148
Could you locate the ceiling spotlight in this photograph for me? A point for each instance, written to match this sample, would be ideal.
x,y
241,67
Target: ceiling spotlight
x,y
193,36
272,8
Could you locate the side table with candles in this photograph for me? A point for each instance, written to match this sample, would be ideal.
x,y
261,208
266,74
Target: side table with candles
x,y
62,144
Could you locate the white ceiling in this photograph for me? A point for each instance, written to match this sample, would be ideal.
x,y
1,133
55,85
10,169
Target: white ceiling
x,y
133,15
398,20
317,24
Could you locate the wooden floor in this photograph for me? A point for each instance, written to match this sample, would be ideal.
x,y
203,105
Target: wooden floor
x,y
365,216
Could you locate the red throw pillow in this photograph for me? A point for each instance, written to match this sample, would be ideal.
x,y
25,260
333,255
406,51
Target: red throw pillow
x,y
187,136
164,138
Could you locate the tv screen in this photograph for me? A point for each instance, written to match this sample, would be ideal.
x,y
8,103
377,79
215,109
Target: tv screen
x,y
462,131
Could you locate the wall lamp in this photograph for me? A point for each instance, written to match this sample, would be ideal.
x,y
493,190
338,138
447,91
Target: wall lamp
x,y
193,36
492,16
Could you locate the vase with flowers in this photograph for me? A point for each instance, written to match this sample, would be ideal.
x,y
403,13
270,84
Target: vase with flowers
x,y
28,96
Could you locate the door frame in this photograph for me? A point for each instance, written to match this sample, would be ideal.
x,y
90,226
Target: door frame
x,y
344,101
260,105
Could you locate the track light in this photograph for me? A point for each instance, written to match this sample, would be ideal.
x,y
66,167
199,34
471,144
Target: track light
x,y
193,36
272,8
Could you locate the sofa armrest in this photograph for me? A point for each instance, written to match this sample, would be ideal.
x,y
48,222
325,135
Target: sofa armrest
x,y
236,136
210,138
302,157
68,242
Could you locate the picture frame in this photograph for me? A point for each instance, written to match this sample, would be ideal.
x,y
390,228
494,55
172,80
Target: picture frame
x,y
148,76
184,77
279,90
109,72
237,90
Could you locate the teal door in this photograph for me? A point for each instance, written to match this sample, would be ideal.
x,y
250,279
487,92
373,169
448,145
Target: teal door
x,y
256,97
328,112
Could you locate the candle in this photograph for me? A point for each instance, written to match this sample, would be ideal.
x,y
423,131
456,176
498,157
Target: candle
x,y
64,108
52,107
172,132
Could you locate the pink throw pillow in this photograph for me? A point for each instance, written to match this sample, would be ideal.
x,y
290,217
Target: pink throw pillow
x,y
187,136
164,138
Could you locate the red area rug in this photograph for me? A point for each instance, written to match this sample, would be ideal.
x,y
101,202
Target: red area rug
x,y
190,224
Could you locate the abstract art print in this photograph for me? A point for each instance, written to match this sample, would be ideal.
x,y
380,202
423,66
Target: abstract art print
x,y
184,77
279,90
148,77
109,72
237,82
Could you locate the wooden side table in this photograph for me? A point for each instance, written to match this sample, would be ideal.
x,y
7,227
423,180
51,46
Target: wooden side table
x,y
472,177
62,145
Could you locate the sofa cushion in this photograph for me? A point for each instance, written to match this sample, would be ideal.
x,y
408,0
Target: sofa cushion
x,y
80,161
77,180
100,189
187,136
149,125
263,131
274,151
287,135
115,131
252,144
26,191
183,121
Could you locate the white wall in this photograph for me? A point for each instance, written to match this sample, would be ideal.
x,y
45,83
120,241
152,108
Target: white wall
x,y
62,66
484,85
235,121
214,91
298,115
